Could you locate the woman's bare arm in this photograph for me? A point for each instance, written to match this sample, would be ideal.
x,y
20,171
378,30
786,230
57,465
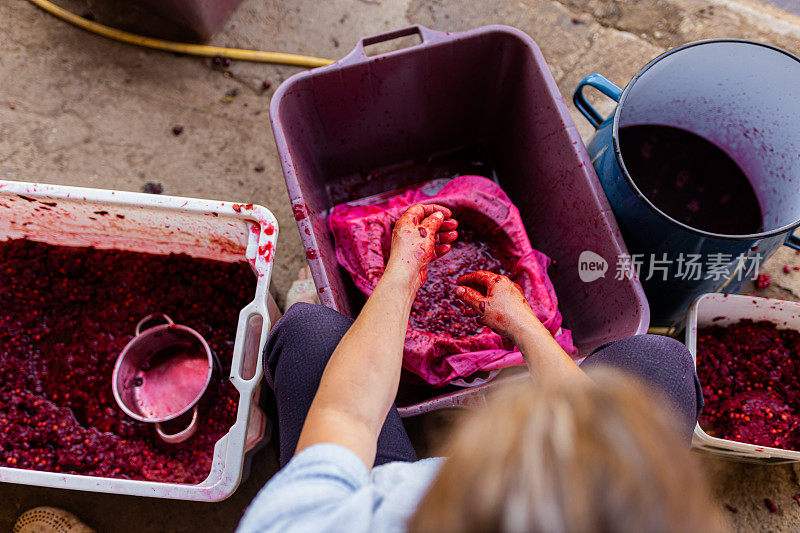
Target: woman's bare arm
x,y
360,381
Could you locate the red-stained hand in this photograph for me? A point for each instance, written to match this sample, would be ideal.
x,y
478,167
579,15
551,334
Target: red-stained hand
x,y
497,302
422,234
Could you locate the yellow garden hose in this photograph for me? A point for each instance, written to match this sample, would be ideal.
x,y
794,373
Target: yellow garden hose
x,y
181,48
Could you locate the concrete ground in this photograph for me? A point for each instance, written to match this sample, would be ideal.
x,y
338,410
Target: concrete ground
x,y
78,109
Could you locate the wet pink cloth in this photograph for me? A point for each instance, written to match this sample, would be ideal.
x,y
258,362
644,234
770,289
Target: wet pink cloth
x,y
362,235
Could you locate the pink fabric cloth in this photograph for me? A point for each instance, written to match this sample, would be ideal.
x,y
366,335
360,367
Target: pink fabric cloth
x,y
362,237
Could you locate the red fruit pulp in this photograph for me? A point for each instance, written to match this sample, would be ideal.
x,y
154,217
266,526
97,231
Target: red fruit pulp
x,y
436,308
751,383
65,315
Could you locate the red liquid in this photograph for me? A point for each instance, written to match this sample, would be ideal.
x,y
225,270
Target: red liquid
x,y
751,383
690,179
436,308
173,380
65,315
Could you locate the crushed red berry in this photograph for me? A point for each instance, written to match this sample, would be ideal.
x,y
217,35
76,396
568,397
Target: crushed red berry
x,y
177,130
152,187
731,508
759,417
749,373
770,505
763,281
65,316
436,308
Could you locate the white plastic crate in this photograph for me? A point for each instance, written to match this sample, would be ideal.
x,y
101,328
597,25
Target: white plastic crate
x,y
222,231
724,310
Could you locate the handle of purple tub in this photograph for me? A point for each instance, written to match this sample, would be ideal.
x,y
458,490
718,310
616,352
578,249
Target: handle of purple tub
x,y
602,84
358,54
793,241
175,438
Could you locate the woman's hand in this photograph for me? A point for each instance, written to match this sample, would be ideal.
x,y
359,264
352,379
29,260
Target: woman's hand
x,y
497,302
500,304
422,234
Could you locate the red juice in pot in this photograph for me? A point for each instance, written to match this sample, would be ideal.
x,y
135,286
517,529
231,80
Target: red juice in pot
x,y
690,179
171,380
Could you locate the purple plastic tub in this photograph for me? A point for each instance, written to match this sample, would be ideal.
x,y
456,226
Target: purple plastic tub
x,y
476,102
202,17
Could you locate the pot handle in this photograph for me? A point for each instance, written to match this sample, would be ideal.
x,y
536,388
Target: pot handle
x,y
151,318
175,438
793,241
602,84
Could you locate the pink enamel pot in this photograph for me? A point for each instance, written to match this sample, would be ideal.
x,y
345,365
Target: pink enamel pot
x,y
162,374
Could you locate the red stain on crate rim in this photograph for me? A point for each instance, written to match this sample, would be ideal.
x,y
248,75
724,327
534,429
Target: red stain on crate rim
x,y
240,207
266,250
299,210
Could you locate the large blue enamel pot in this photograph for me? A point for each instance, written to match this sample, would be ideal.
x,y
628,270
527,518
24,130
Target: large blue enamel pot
x,y
745,98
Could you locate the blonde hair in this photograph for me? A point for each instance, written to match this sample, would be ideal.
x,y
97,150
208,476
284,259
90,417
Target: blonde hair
x,y
563,457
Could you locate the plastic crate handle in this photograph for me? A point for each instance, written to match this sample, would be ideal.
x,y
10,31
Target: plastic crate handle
x,y
246,364
254,324
359,55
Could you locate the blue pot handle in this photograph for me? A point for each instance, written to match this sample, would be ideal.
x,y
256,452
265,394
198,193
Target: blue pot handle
x,y
602,84
793,242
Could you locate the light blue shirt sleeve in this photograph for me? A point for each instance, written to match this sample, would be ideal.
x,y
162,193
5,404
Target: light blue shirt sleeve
x,y
327,487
